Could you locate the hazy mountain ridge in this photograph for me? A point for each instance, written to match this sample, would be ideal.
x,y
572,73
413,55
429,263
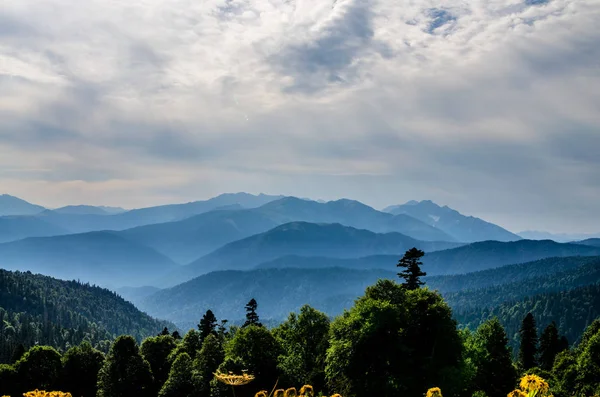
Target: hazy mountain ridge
x,y
303,239
280,291
11,205
18,227
468,258
461,227
99,257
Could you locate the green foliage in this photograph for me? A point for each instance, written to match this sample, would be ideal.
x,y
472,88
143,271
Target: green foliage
x,y
305,340
572,311
81,365
209,358
156,351
8,380
125,373
528,343
258,350
495,374
39,368
412,273
401,344
179,382
190,344
41,310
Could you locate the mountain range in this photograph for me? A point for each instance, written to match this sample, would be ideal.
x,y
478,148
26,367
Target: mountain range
x,y
460,227
303,239
10,205
333,289
101,258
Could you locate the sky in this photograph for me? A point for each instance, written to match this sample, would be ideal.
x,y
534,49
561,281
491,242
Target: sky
x,y
491,107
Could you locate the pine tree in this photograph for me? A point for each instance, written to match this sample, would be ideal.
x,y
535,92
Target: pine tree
x,y
549,346
125,373
412,269
251,316
165,331
176,335
529,340
208,325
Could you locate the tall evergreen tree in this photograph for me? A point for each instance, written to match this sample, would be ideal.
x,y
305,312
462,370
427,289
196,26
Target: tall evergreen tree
x,y
156,351
125,373
179,382
251,316
495,374
549,346
412,273
209,358
208,325
529,341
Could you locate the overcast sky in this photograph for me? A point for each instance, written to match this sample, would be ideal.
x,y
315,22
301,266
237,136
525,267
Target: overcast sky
x,y
489,106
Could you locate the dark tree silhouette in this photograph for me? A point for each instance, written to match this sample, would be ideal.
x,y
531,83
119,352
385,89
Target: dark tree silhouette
x,y
176,335
549,346
208,325
165,331
412,269
529,340
251,316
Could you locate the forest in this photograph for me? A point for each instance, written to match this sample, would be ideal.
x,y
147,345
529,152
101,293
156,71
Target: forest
x,y
399,338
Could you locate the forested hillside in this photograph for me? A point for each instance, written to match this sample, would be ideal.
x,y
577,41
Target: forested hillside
x,y
572,310
36,309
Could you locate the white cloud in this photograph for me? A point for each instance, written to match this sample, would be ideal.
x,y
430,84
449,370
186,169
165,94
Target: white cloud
x,y
490,106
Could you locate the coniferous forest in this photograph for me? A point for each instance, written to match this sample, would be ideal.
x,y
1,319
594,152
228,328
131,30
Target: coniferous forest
x,y
399,338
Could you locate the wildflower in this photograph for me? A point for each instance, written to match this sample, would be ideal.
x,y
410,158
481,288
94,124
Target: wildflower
x,y
291,392
234,380
262,393
279,393
307,391
434,392
533,383
517,393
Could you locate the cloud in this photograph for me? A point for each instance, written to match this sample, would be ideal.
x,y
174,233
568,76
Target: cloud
x,y
488,106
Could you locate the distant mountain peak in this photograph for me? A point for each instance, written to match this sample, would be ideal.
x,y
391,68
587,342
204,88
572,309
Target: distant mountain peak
x,y
11,205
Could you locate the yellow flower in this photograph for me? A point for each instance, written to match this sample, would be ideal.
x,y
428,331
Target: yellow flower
x,y
434,392
279,393
533,383
262,393
291,392
307,391
234,380
517,393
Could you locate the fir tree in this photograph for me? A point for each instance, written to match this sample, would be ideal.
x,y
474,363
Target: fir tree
x,y
529,340
549,346
208,325
251,316
412,269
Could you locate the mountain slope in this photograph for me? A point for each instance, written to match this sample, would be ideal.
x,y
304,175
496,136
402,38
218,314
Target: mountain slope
x,y
98,257
592,242
469,258
303,239
352,213
14,228
83,221
463,228
191,238
60,313
572,310
81,210
10,205
277,291
490,254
